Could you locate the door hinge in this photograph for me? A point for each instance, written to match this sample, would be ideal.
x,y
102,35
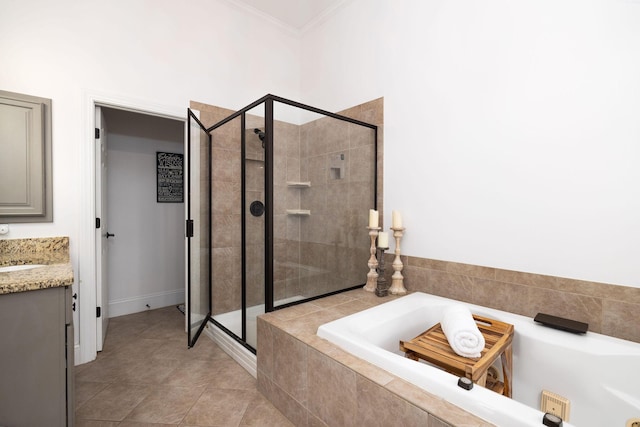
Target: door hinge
x,y
97,222
98,311
189,228
97,133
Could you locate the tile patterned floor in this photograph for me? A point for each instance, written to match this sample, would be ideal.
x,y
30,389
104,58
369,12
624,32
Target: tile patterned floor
x,y
147,377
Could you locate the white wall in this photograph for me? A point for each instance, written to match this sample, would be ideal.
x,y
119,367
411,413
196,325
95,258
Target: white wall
x,y
146,260
160,53
512,136
511,125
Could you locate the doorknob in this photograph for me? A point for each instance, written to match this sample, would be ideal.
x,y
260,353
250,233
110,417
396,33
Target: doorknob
x,y
109,235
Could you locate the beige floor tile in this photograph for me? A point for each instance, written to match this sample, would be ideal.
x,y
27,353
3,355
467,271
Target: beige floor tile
x,y
137,424
193,373
166,405
139,349
147,377
220,408
151,371
261,413
113,403
87,390
229,375
177,349
92,423
103,369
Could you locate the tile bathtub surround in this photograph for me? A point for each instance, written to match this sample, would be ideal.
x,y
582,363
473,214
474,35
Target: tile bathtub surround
x,y
608,309
315,383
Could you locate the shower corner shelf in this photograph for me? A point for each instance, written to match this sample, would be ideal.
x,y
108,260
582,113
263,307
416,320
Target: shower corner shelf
x,y
299,184
299,212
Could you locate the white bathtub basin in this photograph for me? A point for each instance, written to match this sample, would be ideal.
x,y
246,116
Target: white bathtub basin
x,y
599,374
19,267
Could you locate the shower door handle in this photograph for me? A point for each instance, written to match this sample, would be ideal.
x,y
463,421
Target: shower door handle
x,y
256,208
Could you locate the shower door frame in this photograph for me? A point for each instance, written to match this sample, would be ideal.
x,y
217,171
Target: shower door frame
x,y
268,101
242,340
189,232
269,306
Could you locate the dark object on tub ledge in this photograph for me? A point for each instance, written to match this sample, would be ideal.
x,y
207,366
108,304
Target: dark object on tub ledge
x,y
551,420
465,383
561,323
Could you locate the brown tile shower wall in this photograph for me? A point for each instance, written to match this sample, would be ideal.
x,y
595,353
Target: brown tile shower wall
x,y
254,182
324,252
332,249
372,112
302,251
608,309
224,190
286,228
336,159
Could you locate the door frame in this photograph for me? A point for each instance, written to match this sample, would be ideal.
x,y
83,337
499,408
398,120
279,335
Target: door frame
x,y
102,247
86,349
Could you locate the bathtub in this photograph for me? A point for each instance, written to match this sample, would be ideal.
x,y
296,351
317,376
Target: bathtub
x,y
600,375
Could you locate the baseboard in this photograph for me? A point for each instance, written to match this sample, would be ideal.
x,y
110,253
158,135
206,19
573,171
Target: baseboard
x,y
139,303
236,351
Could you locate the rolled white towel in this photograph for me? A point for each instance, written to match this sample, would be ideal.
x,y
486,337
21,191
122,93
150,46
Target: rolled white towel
x,y
461,331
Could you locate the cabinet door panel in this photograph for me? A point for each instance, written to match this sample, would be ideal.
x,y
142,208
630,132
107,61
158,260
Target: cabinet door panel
x,y
32,358
25,153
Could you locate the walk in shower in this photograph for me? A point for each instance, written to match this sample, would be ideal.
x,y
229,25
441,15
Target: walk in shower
x,y
279,194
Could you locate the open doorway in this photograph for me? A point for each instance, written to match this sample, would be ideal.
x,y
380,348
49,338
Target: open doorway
x,y
143,240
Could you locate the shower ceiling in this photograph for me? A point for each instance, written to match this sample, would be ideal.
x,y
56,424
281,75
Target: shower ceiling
x,y
296,14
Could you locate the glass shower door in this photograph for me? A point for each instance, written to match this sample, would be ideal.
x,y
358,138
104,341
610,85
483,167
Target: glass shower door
x,y
254,219
283,193
226,243
324,182
239,206
198,228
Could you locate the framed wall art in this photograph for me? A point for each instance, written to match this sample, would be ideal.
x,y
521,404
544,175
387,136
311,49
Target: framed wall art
x,y
170,177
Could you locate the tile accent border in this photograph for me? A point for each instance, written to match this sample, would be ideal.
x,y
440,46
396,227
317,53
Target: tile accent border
x,y
608,309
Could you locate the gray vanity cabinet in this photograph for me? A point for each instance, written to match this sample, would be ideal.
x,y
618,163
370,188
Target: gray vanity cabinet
x,y
36,358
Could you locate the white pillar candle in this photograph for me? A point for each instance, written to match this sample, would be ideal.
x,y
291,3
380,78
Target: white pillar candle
x,y
373,218
383,239
396,219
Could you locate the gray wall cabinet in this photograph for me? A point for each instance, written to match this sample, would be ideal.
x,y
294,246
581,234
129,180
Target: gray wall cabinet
x,y
25,159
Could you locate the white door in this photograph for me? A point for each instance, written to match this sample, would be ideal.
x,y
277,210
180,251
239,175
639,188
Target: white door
x,y
102,233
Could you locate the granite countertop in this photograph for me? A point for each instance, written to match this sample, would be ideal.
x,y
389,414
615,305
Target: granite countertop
x,y
52,253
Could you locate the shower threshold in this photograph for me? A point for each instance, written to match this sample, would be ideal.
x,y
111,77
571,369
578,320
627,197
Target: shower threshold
x,y
232,320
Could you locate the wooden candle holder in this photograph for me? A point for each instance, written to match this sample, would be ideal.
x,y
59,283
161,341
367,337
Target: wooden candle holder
x,y
372,276
397,279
